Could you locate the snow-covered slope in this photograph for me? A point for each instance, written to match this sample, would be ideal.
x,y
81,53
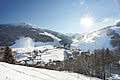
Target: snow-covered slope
x,y
16,72
27,42
104,38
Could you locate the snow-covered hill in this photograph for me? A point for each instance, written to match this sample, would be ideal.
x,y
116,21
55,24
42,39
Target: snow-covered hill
x,y
25,38
16,72
10,34
108,37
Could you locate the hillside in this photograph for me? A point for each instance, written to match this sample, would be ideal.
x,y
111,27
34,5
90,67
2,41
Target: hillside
x,y
16,72
10,33
108,37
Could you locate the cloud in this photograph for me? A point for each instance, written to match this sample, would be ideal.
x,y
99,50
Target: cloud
x,y
82,2
104,23
110,20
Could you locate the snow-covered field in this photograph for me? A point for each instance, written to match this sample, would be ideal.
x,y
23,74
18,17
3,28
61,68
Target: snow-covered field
x,y
16,72
49,52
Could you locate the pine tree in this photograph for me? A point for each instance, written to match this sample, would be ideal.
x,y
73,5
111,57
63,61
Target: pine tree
x,y
8,57
108,60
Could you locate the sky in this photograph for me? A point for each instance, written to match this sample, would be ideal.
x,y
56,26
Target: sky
x,y
65,16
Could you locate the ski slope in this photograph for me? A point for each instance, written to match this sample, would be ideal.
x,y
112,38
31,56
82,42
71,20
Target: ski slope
x,y
16,72
96,40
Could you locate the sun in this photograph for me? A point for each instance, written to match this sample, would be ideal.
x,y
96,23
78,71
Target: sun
x,y
86,21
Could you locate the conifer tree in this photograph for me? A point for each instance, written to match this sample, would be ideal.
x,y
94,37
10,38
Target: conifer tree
x,y
8,57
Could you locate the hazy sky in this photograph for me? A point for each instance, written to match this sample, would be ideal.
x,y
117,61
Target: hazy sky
x,y
61,15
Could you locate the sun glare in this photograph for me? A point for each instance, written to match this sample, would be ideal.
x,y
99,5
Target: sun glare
x,y
86,21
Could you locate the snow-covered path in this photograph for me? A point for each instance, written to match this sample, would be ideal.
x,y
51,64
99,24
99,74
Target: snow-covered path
x,y
16,72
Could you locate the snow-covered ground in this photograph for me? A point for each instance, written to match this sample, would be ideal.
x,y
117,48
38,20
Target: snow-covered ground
x,y
49,52
16,72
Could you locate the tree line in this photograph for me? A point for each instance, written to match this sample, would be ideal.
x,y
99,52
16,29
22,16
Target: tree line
x,y
101,63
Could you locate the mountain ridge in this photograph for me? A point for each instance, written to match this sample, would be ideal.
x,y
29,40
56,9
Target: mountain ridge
x,y
107,37
11,32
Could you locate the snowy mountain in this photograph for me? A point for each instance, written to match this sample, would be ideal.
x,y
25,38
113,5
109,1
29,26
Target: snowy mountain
x,y
10,34
16,72
108,37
